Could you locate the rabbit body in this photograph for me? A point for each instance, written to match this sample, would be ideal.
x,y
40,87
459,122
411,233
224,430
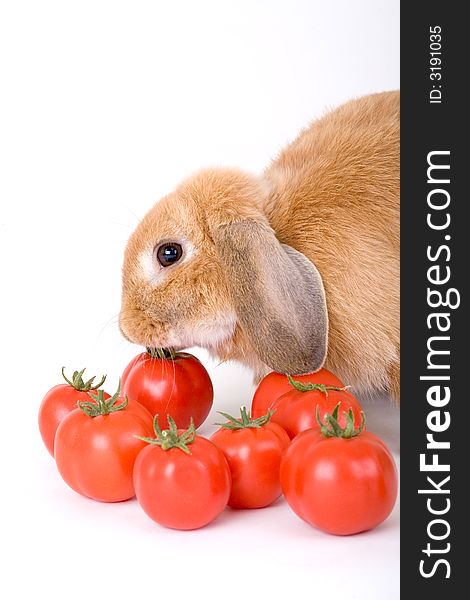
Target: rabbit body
x,y
242,290
335,198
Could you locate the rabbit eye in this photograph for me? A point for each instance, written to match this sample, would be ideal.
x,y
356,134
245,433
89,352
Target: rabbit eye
x,y
169,253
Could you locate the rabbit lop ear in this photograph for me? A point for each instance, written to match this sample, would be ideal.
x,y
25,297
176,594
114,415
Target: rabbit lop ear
x,y
278,295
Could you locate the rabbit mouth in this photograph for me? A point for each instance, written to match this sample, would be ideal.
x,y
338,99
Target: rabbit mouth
x,y
209,332
138,328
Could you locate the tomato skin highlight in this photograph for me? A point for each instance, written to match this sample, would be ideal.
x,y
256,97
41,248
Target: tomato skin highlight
x,y
296,411
179,490
137,359
275,385
254,458
55,406
179,387
341,486
95,455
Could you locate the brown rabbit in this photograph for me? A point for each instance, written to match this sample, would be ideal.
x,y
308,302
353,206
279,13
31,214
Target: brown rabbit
x,y
291,270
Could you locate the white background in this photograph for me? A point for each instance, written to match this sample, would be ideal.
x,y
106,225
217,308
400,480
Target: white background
x,y
104,107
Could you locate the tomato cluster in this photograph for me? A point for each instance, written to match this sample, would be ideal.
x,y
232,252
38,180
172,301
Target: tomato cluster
x,y
305,438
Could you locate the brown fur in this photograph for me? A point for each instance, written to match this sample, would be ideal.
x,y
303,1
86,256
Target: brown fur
x,y
333,195
278,296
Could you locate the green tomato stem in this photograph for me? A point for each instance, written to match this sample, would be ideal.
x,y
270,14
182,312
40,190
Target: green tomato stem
x,y
171,438
166,353
310,387
245,421
82,386
100,406
331,428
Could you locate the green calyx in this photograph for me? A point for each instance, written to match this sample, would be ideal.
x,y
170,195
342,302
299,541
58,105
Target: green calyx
x,y
310,387
101,406
82,386
245,421
165,353
171,438
331,427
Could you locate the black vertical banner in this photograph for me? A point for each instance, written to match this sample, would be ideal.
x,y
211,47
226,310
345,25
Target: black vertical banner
x,y
435,436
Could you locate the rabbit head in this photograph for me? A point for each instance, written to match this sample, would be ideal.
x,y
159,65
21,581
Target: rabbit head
x,y
204,268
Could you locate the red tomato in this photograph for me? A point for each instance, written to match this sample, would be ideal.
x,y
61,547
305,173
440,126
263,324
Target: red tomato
x,y
340,485
60,400
137,359
181,479
178,386
296,410
96,447
275,385
253,449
